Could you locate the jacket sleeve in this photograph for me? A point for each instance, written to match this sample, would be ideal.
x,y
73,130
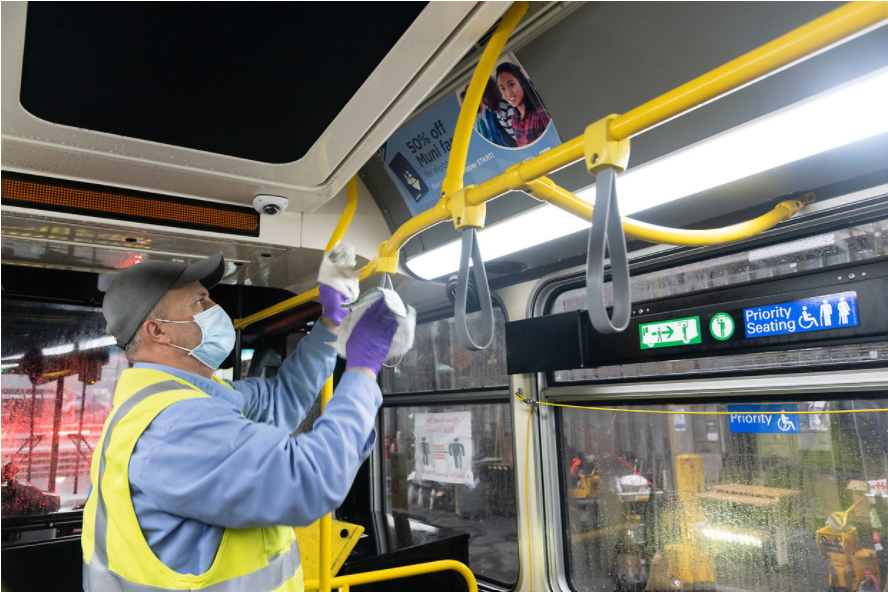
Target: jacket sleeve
x,y
284,400
216,466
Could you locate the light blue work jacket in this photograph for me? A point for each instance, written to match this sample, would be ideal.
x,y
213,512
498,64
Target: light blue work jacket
x,y
229,461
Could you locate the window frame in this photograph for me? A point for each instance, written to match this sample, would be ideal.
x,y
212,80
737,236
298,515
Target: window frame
x,y
498,397
813,386
841,212
775,390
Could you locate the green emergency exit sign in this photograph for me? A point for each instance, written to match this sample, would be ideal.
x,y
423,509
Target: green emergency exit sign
x,y
670,333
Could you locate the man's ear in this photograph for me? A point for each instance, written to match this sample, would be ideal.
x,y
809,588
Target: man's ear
x,y
155,332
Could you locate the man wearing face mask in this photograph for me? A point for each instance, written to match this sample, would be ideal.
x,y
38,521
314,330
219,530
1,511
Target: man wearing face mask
x,y
196,481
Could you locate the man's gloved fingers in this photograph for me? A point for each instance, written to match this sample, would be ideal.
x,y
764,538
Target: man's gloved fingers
x,y
380,318
331,302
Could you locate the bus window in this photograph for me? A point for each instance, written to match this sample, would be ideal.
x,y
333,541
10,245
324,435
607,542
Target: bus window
x,y
856,244
452,466
59,370
438,363
752,496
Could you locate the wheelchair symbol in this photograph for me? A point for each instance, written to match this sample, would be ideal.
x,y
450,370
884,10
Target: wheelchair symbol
x,y
785,424
806,321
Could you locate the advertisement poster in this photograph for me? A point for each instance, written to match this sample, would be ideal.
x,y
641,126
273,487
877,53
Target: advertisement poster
x,y
512,125
444,447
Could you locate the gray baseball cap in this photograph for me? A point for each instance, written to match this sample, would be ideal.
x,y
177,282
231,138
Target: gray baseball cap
x,y
137,289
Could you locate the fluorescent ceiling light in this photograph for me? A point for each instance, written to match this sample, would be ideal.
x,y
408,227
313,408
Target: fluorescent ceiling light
x,y
13,357
840,116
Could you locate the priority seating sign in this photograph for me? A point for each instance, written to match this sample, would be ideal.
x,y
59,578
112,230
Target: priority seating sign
x,y
763,419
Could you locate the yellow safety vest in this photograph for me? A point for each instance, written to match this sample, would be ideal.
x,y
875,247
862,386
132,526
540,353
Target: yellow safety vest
x,y
115,553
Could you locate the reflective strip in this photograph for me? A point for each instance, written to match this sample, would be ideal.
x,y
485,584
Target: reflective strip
x,y
271,577
98,578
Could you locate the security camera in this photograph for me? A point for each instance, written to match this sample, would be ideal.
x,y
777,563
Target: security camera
x,y
270,205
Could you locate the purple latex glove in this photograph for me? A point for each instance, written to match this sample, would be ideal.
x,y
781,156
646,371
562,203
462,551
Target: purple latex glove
x,y
331,302
370,340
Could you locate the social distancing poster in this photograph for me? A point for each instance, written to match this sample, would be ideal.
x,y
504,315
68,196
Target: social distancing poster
x,y
444,447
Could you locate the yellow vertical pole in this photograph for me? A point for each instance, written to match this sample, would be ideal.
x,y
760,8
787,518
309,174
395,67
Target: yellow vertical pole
x,y
325,559
462,134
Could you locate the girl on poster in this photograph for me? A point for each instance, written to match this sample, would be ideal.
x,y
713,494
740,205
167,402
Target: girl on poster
x,y
530,119
488,123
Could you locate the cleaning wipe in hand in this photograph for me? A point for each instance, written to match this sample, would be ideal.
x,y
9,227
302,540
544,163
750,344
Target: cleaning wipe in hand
x,y
405,316
338,272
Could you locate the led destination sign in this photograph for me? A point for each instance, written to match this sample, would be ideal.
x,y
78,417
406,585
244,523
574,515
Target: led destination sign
x,y
834,311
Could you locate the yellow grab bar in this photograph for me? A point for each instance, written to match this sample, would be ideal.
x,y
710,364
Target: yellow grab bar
x,y
325,559
395,573
547,191
807,39
456,162
338,232
351,204
795,45
818,34
287,304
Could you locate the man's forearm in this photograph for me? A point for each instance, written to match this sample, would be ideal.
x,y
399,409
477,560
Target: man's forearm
x,y
284,400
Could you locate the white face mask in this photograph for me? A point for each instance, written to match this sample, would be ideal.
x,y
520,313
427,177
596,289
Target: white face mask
x,y
218,337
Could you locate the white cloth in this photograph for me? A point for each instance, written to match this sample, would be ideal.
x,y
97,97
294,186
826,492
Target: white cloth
x,y
338,272
405,315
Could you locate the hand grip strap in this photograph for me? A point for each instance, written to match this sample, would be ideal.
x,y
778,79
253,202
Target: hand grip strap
x,y
470,249
605,235
386,282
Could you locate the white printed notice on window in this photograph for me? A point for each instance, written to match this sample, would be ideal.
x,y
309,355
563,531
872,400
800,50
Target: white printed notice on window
x,y
444,447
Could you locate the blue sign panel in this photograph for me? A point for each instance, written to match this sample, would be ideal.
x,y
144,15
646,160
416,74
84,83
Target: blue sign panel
x,y
834,311
763,419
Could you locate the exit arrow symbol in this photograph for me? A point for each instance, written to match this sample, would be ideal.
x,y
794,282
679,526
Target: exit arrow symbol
x,y
668,331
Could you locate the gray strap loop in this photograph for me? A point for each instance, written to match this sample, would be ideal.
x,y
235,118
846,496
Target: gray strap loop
x,y
470,249
606,235
386,282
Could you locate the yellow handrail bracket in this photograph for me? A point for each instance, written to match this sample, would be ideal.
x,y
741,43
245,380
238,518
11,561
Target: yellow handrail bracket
x,y
608,138
602,149
464,214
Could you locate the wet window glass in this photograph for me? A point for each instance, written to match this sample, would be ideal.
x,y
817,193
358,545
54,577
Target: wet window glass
x,y
59,371
849,245
752,496
452,466
438,362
